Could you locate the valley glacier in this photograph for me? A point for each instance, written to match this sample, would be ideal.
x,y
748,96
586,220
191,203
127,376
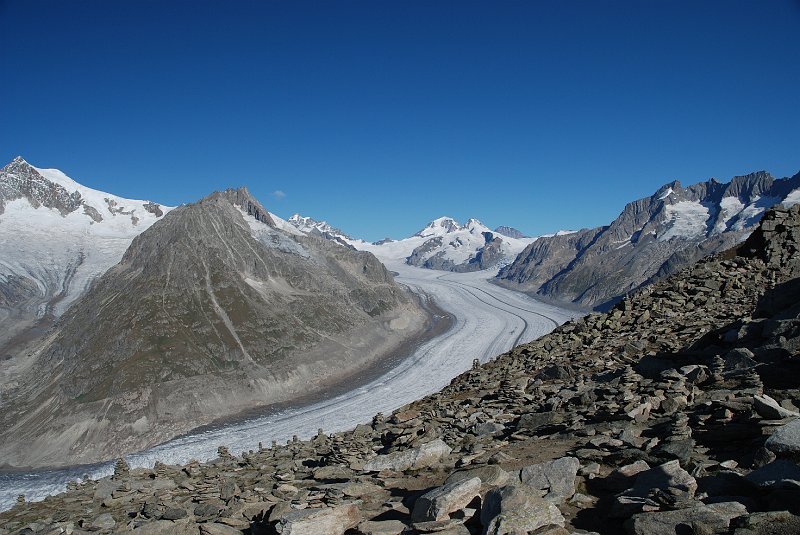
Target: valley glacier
x,y
488,320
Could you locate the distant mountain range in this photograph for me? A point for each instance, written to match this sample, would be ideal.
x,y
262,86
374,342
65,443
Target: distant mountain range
x,y
652,237
177,316
443,244
593,268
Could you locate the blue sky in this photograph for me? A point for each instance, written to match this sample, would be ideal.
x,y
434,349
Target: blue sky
x,y
382,115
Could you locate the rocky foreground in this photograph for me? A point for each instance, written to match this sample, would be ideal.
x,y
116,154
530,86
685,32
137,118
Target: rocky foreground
x,y
676,412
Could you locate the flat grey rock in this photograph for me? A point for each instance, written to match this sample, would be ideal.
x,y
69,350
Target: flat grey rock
x,y
785,439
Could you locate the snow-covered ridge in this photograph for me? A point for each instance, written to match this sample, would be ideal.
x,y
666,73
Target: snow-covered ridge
x,y
60,235
443,243
320,229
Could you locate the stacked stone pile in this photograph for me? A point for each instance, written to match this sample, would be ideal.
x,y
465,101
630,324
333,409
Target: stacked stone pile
x,y
675,412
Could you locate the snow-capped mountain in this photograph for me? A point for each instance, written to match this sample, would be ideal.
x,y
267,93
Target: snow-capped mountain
x,y
470,247
57,237
321,229
442,244
447,245
652,237
215,309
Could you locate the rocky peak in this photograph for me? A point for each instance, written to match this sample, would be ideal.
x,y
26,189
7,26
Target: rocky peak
x,y
19,179
510,232
242,198
439,226
472,223
666,190
651,238
311,226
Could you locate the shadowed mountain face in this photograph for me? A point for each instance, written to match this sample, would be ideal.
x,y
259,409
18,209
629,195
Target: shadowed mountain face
x,y
211,311
651,238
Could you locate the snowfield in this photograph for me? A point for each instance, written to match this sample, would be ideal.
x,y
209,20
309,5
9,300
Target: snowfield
x,y
64,254
489,320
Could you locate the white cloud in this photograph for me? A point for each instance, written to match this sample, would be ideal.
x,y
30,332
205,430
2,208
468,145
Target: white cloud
x,y
278,194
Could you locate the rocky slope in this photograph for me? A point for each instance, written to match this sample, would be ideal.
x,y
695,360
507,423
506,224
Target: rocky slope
x,y
211,311
58,237
675,412
650,239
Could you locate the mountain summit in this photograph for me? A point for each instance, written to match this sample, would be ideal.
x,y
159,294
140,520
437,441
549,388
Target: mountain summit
x,y
213,310
447,245
651,238
58,237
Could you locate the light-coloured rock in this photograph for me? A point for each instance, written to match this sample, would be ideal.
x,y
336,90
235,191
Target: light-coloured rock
x,y
517,509
438,503
770,409
163,527
104,521
785,439
105,488
357,489
420,457
450,526
556,477
381,527
490,475
329,520
218,529
716,516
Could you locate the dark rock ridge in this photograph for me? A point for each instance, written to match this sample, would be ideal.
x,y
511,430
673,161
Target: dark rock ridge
x,y
652,238
211,311
18,180
511,232
675,412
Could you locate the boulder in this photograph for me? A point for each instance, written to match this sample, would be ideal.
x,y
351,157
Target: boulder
x,y
785,439
770,523
716,518
421,457
438,503
490,475
517,509
104,521
556,477
328,520
536,420
668,478
777,474
451,526
381,527
768,408
218,529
